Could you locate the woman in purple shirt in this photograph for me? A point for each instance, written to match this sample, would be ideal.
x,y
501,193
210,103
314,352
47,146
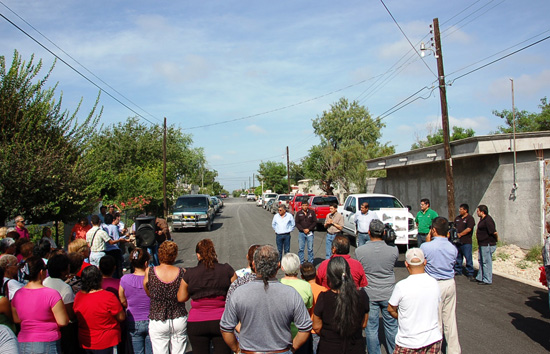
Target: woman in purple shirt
x,y
207,285
134,298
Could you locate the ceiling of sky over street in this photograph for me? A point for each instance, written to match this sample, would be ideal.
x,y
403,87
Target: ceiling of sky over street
x,y
245,78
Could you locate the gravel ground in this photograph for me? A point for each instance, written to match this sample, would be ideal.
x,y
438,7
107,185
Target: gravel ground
x,y
510,260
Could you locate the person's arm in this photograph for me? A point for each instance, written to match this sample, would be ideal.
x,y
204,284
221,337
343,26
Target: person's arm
x,y
392,311
339,222
5,308
234,277
365,321
299,340
15,316
183,292
122,297
231,340
70,311
465,232
317,324
60,314
146,282
121,316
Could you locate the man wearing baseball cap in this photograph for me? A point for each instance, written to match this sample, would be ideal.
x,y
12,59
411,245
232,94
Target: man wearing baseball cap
x,y
415,302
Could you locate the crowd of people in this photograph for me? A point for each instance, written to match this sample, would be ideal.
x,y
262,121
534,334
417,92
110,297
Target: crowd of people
x,y
79,301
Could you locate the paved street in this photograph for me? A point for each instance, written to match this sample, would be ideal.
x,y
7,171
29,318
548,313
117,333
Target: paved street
x,y
507,317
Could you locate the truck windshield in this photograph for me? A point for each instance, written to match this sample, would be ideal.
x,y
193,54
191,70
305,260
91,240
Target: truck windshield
x,y
325,200
191,203
285,197
375,203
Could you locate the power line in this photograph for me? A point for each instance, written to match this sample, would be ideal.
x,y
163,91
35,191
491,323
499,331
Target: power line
x,y
481,14
499,59
408,40
74,69
460,12
281,108
76,61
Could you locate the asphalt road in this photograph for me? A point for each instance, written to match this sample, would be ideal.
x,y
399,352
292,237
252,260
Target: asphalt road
x,y
506,317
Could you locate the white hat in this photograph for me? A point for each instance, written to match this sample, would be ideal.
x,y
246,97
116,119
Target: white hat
x,y
414,253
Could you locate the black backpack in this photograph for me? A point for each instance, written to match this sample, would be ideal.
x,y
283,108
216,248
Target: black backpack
x,y
145,232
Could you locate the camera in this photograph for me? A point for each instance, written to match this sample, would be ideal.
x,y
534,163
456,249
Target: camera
x,y
389,234
453,234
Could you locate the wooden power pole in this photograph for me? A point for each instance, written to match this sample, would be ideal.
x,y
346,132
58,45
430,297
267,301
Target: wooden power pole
x,y
164,171
445,123
288,170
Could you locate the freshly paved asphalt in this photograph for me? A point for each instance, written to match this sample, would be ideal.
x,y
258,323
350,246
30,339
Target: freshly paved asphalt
x,y
506,317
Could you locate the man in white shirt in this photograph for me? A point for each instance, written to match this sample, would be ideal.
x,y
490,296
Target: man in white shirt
x,y
415,304
362,221
283,224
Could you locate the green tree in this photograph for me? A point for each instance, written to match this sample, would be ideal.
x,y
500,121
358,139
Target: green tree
x,y
273,174
296,172
437,138
525,121
127,160
42,172
349,136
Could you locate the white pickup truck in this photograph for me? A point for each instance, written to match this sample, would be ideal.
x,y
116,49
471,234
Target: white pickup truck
x,y
376,202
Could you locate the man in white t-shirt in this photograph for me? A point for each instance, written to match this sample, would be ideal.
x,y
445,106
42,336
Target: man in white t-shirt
x,y
415,304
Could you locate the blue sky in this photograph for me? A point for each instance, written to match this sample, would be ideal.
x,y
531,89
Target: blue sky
x,y
282,63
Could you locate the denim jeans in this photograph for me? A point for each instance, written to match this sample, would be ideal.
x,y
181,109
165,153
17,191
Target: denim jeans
x,y
40,347
420,239
464,251
315,339
154,252
139,333
303,238
283,241
328,245
362,238
485,273
390,327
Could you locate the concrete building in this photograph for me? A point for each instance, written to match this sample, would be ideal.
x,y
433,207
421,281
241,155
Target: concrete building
x,y
484,173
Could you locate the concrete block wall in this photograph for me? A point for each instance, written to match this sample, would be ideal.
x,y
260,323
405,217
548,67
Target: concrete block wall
x,y
481,179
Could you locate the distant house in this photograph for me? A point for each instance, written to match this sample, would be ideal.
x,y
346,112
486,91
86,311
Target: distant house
x,y
484,173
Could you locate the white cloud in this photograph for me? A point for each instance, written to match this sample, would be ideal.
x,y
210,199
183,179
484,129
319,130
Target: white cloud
x,y
255,129
215,158
528,86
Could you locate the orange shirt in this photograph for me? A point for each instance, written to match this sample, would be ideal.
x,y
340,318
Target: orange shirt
x,y
316,289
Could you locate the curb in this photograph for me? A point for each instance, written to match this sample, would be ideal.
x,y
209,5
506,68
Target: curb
x,y
513,277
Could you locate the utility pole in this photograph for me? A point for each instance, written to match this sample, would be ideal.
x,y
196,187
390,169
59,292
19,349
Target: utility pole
x,y
288,170
164,171
445,123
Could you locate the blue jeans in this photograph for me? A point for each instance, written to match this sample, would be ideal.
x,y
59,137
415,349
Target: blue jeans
x,y
315,338
328,245
464,251
283,241
362,238
420,239
485,273
139,333
390,327
154,252
301,245
40,347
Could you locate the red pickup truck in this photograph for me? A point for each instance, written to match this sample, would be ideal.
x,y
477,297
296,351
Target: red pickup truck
x,y
296,202
320,205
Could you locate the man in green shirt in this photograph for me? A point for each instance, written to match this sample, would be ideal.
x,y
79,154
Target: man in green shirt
x,y
424,220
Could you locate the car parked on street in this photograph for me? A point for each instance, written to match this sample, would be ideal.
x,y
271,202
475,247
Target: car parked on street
x,y
217,204
376,202
267,197
296,202
192,211
282,199
251,197
320,204
259,201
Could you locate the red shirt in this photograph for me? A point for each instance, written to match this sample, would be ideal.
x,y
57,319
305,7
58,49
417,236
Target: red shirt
x,y
23,233
80,231
356,268
84,265
97,325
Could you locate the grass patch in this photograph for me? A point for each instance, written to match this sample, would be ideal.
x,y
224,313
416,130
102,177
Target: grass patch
x,y
503,256
534,254
523,264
